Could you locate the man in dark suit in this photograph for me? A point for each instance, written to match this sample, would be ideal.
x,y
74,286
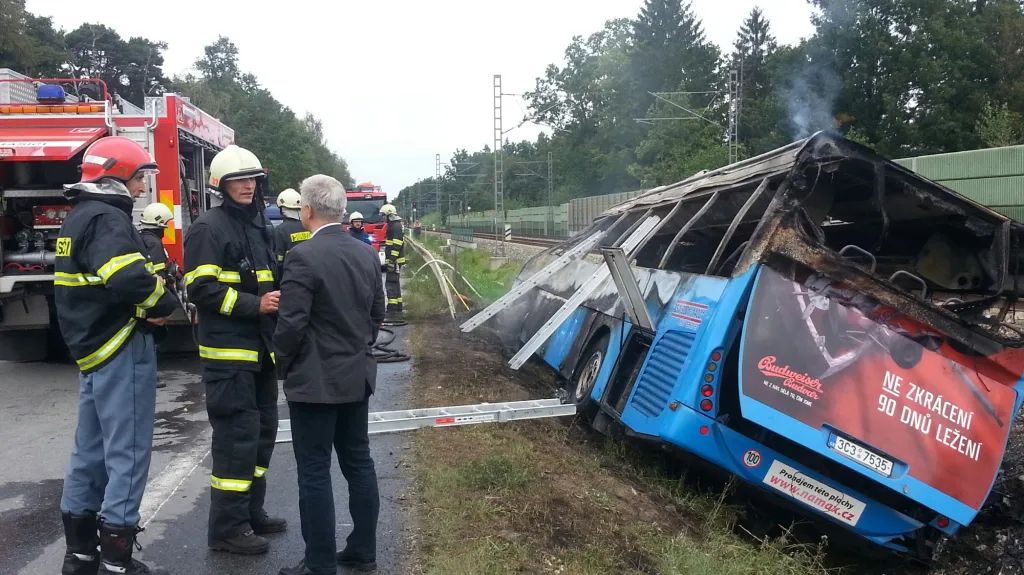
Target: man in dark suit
x,y
332,305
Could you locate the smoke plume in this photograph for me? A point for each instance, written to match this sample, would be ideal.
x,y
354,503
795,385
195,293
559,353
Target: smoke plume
x,y
810,98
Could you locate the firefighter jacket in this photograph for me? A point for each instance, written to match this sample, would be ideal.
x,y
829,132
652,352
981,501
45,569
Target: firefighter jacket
x,y
229,263
360,234
157,253
394,244
288,233
104,286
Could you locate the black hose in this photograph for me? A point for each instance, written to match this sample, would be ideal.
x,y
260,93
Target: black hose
x,y
385,354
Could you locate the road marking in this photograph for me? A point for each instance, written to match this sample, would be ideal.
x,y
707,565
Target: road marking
x,y
160,489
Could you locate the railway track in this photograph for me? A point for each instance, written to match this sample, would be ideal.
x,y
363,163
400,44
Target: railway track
x,y
540,241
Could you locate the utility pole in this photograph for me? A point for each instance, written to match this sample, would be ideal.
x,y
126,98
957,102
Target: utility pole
x,y
437,183
499,192
550,227
415,196
735,101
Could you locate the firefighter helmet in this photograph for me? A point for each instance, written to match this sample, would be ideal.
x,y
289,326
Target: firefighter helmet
x,y
288,200
355,216
157,214
388,210
116,157
234,163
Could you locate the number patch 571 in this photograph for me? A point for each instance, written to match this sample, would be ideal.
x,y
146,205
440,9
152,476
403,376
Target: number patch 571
x,y
63,247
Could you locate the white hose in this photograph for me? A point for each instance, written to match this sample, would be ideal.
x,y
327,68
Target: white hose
x,y
453,269
437,274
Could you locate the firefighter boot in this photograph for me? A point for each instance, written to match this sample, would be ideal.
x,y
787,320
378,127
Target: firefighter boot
x,y
264,523
116,546
81,532
247,543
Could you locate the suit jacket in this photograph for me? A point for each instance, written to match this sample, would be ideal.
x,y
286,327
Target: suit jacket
x,y
332,306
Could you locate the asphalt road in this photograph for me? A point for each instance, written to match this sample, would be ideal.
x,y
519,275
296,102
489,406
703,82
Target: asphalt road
x,y
37,422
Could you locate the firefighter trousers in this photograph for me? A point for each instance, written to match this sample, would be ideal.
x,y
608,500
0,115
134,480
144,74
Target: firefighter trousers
x,y
242,408
393,286
114,438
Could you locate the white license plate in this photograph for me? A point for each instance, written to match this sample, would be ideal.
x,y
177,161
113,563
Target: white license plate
x,y
860,454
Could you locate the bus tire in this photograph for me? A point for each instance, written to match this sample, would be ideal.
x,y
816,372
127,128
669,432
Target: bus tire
x,y
584,377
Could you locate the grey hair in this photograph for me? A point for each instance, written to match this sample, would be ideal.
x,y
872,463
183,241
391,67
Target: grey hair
x,y
324,195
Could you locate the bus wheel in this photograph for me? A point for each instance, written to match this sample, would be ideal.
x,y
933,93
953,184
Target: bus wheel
x,y
585,376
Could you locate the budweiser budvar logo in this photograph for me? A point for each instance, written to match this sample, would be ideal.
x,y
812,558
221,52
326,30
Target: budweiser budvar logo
x,y
802,383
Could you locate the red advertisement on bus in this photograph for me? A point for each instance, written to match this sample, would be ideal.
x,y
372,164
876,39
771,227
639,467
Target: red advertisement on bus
x,y
887,391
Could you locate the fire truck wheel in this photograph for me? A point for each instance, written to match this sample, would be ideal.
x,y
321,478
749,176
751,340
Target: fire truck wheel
x,y
586,373
24,345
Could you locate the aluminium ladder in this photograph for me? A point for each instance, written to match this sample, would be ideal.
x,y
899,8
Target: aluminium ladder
x,y
407,420
533,281
588,287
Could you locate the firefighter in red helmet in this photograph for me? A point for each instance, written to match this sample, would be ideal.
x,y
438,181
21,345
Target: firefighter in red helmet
x,y
108,301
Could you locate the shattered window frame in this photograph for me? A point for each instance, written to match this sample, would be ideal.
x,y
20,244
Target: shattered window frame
x,y
790,197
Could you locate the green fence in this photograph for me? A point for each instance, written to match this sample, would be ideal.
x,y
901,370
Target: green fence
x,y
542,221
464,235
993,177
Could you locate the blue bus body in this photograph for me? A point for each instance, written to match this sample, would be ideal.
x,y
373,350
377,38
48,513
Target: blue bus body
x,y
695,383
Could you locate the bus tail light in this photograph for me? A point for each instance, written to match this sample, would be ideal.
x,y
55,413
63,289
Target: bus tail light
x,y
711,371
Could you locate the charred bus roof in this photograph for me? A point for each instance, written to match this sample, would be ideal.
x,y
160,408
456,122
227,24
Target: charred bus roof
x,y
840,209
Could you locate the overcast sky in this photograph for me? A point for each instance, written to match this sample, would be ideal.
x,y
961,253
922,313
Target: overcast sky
x,y
397,82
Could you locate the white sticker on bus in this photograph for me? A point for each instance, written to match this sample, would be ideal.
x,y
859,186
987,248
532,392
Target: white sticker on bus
x,y
829,501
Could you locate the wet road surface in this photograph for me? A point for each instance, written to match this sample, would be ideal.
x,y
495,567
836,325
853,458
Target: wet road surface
x,y
38,407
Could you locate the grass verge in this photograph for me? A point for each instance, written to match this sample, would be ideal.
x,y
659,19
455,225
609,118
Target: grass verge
x,y
547,496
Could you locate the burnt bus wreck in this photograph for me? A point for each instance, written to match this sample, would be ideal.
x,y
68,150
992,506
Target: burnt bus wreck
x,y
821,322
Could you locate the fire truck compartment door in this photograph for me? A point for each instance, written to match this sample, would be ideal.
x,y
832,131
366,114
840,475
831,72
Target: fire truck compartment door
x,y
45,143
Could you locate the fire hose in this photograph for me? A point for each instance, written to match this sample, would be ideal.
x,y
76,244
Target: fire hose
x,y
382,351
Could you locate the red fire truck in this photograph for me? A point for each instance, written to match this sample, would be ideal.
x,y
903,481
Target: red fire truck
x,y
44,131
367,199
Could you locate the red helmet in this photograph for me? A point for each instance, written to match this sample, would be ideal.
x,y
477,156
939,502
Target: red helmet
x,y
116,157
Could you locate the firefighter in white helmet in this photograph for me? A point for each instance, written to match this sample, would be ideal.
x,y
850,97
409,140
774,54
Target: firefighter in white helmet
x,y
394,259
152,226
290,230
154,222
356,229
229,264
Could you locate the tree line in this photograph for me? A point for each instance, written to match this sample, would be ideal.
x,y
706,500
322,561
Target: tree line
x,y
646,101
291,147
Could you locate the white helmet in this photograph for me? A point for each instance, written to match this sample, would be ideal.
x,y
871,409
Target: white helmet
x,y
388,210
157,214
234,163
288,200
355,216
